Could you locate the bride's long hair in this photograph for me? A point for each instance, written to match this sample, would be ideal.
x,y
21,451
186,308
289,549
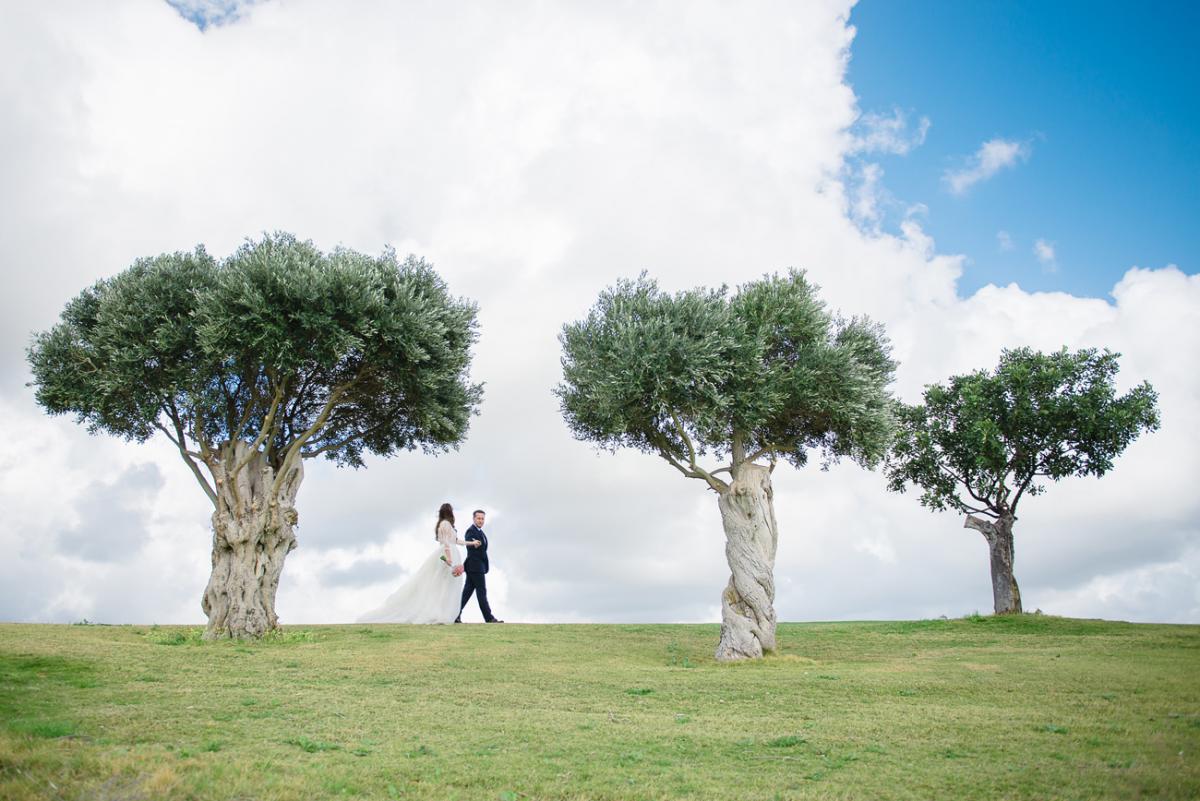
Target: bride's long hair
x,y
446,512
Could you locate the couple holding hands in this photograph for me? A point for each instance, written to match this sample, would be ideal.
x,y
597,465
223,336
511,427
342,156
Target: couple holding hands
x,y
436,592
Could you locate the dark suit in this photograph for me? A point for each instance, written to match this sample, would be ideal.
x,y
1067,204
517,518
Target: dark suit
x,y
475,567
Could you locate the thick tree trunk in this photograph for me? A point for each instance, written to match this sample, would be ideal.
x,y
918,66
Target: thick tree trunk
x,y
253,531
751,537
1006,596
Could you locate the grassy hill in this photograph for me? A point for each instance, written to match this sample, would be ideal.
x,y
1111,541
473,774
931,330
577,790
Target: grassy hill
x,y
1024,707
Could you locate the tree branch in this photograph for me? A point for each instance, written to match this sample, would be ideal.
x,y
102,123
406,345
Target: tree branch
x,y
675,463
737,452
187,455
247,414
335,445
293,451
1020,492
267,426
984,527
716,483
687,441
966,485
761,452
698,471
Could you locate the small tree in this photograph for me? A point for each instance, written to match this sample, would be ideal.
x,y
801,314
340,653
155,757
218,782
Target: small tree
x,y
768,373
986,440
249,366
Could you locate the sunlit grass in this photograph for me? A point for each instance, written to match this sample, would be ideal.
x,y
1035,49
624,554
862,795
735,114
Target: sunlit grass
x,y
1015,707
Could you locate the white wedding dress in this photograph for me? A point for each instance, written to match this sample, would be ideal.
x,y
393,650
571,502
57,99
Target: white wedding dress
x,y
430,595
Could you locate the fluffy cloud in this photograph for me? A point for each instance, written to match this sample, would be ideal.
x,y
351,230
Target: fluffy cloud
x,y
533,154
992,156
868,196
1045,254
881,133
113,515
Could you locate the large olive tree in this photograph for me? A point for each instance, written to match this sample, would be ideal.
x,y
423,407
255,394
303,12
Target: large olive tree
x,y
250,365
763,374
982,442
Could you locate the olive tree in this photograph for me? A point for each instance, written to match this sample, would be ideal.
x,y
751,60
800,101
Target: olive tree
x,y
705,376
982,442
249,366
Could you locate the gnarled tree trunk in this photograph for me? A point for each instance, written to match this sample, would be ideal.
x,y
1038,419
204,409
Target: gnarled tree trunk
x,y
751,538
1006,596
253,531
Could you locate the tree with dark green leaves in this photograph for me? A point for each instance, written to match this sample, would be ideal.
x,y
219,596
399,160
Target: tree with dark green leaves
x,y
982,442
703,376
278,354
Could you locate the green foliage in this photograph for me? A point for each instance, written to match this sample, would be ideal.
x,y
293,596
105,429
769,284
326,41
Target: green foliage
x,y
766,371
279,345
983,440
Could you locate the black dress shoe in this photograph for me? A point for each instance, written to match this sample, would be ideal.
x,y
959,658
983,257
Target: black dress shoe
x,y
456,620
495,620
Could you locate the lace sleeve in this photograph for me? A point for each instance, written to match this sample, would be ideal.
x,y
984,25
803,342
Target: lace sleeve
x,y
447,534
447,538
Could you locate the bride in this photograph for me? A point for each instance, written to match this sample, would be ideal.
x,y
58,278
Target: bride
x,y
433,594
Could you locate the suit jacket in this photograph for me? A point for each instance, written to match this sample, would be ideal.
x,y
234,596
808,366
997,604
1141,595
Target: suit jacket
x,y
477,558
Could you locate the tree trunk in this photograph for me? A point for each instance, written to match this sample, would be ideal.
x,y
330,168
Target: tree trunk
x,y
1006,596
751,537
253,531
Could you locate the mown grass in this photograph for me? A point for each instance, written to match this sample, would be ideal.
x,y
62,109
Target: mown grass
x,y
1014,707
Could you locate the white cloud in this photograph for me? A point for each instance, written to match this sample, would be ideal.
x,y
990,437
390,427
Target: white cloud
x,y
707,149
1168,591
1004,240
1045,254
881,133
991,157
868,196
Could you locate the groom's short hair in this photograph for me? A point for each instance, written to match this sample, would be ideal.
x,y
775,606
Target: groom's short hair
x,y
479,512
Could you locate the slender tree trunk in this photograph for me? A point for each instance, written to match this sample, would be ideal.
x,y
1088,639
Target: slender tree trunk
x,y
751,537
1006,596
253,531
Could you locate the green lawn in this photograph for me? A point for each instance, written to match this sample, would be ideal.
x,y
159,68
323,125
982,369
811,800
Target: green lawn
x,y
1022,707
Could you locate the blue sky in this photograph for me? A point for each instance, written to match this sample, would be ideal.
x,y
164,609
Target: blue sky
x,y
1101,96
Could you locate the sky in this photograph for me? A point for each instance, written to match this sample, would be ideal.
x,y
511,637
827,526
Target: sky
x,y
974,179
1099,104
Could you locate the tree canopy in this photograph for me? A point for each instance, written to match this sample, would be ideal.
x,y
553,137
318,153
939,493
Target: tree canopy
x,y
983,441
765,372
291,351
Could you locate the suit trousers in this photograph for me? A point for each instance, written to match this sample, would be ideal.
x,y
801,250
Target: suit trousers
x,y
476,583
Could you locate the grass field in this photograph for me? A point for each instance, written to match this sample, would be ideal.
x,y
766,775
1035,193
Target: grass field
x,y
1018,707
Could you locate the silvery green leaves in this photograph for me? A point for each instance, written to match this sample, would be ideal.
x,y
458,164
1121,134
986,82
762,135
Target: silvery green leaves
x,y
125,345
258,346
764,371
641,357
981,441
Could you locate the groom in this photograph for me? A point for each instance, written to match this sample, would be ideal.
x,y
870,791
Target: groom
x,y
476,568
